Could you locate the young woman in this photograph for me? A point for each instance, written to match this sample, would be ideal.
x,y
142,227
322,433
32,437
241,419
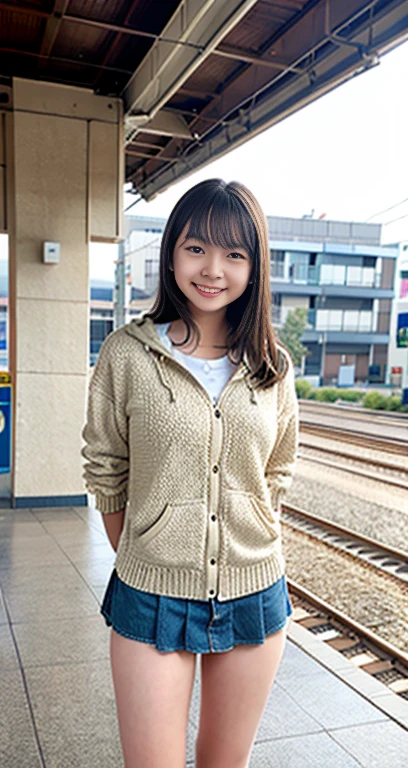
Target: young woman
x,y
190,445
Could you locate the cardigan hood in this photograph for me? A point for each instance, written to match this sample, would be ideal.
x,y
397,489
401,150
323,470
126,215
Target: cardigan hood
x,y
200,483
143,329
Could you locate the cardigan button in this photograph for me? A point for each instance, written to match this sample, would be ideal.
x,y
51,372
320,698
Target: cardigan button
x,y
212,592
217,413
212,561
213,518
215,468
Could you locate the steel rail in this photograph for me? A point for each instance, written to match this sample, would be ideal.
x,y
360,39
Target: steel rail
x,y
361,459
391,445
356,471
389,560
378,642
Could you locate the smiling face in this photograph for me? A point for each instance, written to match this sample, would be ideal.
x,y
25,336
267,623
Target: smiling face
x,y
201,264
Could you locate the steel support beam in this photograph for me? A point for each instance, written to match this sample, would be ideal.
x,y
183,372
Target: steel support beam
x,y
165,68
266,98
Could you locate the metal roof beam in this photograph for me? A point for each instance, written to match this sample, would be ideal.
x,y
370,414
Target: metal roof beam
x,y
238,54
204,23
338,64
164,123
251,82
116,42
52,26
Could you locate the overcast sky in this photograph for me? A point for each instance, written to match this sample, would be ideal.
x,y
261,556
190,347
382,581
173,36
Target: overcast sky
x,y
344,155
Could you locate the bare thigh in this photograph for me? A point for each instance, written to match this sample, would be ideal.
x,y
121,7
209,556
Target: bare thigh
x,y
234,690
152,691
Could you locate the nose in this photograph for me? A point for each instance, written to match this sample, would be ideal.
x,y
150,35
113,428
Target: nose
x,y
213,265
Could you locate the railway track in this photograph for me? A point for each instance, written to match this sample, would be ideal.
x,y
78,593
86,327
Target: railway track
x,y
362,439
357,413
389,560
380,478
361,646
380,463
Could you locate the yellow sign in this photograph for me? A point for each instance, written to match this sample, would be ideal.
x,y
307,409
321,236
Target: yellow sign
x,y
5,378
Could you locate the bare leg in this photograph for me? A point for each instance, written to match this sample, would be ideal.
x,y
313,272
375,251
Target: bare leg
x,y
234,690
153,692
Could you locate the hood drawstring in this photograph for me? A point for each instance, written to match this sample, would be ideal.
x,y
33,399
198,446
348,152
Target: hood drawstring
x,y
254,395
161,370
254,398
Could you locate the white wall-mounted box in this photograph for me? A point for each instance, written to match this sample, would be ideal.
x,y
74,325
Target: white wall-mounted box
x,y
51,253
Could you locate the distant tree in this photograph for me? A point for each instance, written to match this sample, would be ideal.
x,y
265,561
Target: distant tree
x,y
291,332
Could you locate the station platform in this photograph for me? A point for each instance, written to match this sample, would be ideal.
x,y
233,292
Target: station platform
x,y
57,706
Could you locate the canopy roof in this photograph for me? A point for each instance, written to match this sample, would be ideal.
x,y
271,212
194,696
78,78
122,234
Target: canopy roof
x,y
197,77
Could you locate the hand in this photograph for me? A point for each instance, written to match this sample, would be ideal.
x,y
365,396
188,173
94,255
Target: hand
x,y
114,525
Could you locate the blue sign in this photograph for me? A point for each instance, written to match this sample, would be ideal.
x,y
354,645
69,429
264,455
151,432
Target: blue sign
x,y
5,428
402,329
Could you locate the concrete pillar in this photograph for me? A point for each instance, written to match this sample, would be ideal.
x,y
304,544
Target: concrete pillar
x,y
64,184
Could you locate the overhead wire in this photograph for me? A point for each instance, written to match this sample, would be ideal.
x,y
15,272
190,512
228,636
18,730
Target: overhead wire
x,y
387,209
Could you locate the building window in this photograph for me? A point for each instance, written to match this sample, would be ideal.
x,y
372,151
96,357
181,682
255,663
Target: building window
x,y
277,263
151,274
404,284
151,269
276,308
99,331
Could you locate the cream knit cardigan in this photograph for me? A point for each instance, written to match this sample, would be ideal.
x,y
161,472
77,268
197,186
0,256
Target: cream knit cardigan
x,y
201,482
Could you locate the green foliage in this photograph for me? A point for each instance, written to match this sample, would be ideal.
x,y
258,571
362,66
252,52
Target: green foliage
x,y
291,332
326,395
351,395
303,389
375,400
394,403
380,402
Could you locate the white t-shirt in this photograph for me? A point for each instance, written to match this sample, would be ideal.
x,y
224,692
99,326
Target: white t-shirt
x,y
212,374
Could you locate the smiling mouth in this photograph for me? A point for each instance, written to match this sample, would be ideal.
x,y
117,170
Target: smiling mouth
x,y
208,290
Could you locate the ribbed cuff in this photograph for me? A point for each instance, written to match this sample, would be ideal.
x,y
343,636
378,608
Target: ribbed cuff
x,y
110,504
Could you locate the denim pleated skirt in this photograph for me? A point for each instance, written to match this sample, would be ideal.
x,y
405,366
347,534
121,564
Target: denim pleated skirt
x,y
198,626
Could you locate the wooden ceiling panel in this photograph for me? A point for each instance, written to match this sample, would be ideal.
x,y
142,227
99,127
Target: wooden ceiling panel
x,y
231,79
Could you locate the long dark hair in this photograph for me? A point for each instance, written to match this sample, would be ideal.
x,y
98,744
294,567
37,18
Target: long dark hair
x,y
226,215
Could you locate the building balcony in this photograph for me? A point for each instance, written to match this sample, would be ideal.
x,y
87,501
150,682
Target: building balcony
x,y
326,274
348,320
342,326
338,274
337,326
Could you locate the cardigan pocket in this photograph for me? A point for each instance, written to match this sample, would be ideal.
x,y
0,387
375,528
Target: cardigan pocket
x,y
269,518
177,536
157,526
249,527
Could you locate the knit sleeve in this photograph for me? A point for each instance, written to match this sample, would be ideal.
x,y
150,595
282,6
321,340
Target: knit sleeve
x,y
106,449
282,460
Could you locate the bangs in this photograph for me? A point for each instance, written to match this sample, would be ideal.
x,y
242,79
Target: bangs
x,y
223,221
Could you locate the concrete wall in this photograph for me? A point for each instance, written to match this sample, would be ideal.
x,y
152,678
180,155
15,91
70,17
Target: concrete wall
x,y
3,223
64,184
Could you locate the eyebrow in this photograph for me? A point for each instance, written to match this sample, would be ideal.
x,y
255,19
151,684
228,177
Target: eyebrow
x,y
207,242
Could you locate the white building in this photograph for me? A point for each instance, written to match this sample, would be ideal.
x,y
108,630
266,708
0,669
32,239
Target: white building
x,y
398,347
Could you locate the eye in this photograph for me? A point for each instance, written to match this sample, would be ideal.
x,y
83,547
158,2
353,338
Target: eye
x,y
194,248
240,255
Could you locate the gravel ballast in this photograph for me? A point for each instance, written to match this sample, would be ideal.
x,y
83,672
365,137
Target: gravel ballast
x,y
374,599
